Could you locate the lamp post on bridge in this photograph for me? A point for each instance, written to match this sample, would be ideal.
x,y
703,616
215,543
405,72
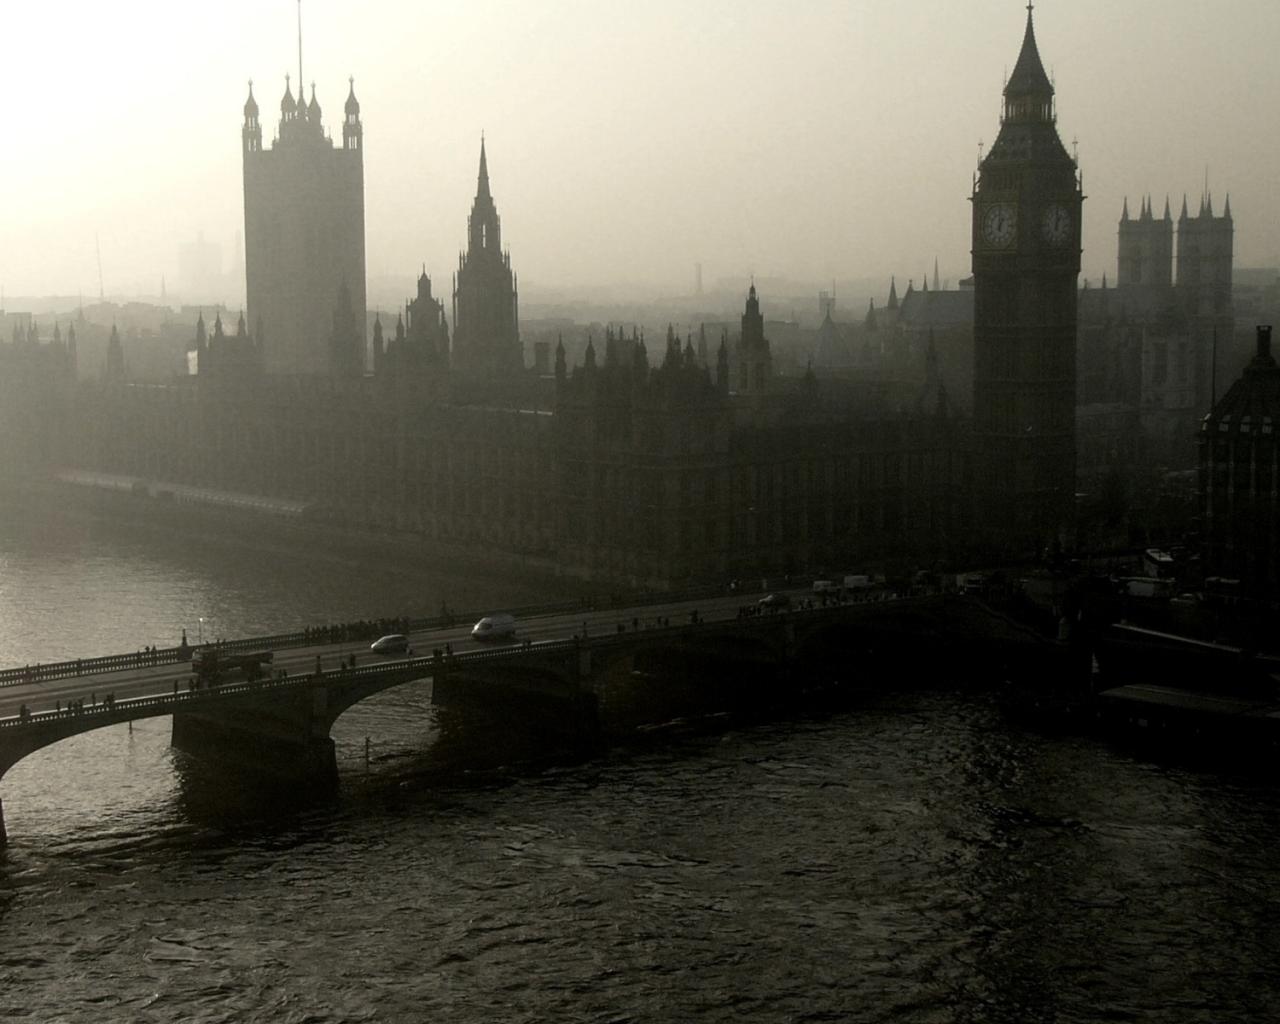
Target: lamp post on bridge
x,y
202,630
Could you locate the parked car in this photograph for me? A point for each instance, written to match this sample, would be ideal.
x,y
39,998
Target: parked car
x,y
775,601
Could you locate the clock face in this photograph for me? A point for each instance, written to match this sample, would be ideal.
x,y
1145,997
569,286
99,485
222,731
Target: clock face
x,y
999,224
1057,225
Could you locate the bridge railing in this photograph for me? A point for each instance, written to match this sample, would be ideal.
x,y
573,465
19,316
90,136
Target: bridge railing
x,y
89,666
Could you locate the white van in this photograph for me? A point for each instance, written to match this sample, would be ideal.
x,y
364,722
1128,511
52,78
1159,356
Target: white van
x,y
494,627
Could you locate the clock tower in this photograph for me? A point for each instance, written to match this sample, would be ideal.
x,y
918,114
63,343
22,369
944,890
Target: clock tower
x,y
1026,260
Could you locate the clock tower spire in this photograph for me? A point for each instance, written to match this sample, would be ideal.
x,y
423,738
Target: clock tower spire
x,y
1026,262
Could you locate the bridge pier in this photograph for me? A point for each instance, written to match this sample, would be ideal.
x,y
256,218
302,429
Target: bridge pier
x,y
287,740
550,695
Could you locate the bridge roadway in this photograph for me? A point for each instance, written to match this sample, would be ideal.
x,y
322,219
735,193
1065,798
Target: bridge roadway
x,y
158,680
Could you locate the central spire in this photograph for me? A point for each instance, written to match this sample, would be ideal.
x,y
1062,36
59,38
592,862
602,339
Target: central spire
x,y
484,227
482,186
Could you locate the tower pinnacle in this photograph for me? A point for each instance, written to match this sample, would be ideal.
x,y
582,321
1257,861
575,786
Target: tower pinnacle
x,y
482,185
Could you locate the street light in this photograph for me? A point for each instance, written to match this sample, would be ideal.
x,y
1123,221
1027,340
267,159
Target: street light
x,y
202,629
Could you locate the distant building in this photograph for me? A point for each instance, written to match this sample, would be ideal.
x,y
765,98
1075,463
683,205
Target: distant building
x,y
1239,477
755,361
420,345
891,350
702,465
235,358
1150,344
37,387
304,238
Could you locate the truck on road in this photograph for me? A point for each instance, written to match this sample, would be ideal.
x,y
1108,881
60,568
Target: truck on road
x,y
214,666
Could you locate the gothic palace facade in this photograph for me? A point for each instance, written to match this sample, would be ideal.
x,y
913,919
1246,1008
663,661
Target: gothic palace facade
x,y
653,461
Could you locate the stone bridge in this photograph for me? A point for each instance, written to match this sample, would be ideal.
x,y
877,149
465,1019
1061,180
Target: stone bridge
x,y
575,687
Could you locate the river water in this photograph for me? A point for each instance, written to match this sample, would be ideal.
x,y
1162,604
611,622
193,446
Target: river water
x,y
913,856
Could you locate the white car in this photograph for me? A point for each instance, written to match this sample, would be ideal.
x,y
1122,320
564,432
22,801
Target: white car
x,y
396,643
494,627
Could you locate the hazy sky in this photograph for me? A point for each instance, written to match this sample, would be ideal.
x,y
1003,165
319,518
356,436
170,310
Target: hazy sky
x,y
627,141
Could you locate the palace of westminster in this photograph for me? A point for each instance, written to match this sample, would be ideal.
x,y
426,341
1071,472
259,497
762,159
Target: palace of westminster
x,y
663,460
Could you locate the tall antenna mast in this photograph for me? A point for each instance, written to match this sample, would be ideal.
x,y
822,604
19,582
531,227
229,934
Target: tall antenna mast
x,y
301,80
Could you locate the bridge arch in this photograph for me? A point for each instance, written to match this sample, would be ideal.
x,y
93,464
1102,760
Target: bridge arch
x,y
277,726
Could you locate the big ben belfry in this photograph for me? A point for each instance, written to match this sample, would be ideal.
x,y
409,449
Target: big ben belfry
x,y
1026,260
